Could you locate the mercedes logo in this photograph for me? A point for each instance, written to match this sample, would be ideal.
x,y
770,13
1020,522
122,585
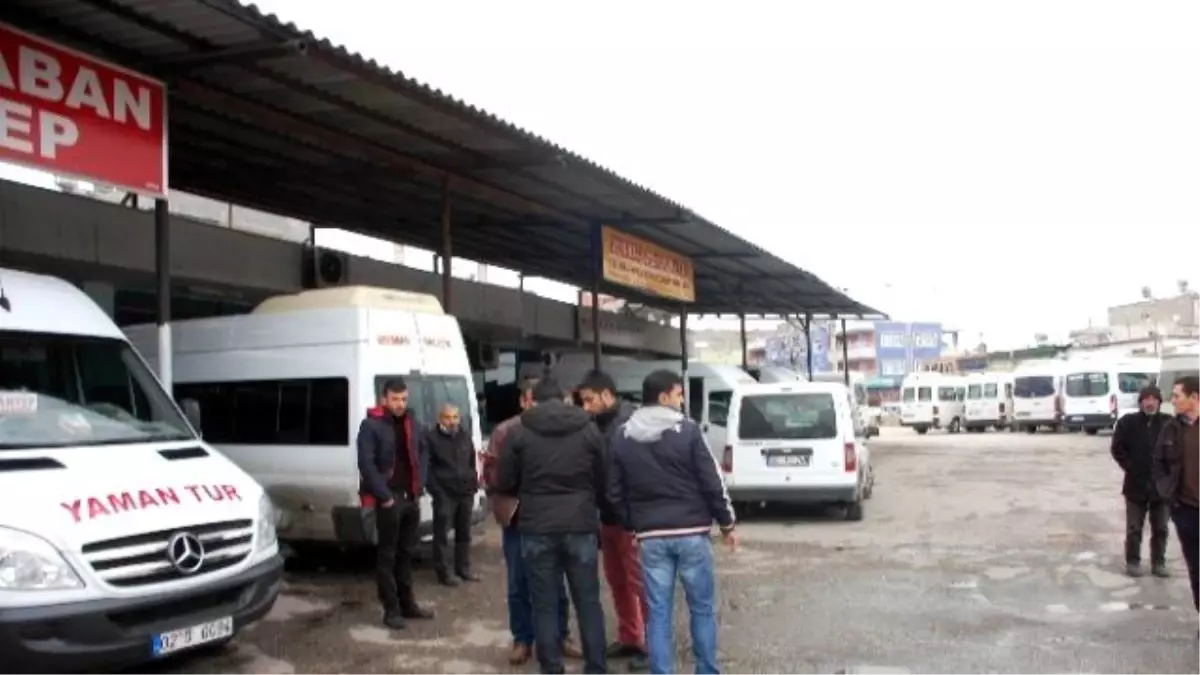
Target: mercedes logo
x,y
185,553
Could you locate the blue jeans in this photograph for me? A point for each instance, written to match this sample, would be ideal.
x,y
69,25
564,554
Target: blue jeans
x,y
690,559
520,604
547,558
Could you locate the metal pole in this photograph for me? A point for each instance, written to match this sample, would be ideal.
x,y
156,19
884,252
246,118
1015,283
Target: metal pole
x,y
447,253
742,330
597,272
845,353
683,359
162,273
808,344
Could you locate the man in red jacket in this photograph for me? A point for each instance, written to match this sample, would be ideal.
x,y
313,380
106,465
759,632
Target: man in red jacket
x,y
391,471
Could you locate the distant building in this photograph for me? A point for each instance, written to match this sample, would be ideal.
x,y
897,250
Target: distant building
x,y
1146,327
889,349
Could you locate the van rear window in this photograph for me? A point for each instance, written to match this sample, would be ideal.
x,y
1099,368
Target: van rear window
x,y
990,390
910,395
924,393
787,416
1087,384
974,392
1035,386
1132,383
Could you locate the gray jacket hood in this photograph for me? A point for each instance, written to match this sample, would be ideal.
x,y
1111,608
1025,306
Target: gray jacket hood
x,y
648,424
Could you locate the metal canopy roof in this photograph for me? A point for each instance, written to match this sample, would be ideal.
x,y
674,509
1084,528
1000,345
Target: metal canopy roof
x,y
267,115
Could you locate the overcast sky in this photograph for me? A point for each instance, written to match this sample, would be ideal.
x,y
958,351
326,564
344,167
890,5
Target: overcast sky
x,y
1007,167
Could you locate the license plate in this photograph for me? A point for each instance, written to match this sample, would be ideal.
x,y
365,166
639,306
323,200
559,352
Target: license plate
x,y
1022,414
186,638
787,460
1077,418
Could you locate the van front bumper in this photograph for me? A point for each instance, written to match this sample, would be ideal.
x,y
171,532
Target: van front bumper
x,y
795,494
108,634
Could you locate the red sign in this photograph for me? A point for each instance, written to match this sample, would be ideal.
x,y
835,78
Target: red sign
x,y
72,114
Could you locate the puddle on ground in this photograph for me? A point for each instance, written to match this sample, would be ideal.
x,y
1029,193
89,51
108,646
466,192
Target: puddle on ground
x,y
288,607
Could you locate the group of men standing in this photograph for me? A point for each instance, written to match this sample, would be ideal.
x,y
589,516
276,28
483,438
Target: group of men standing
x,y
1160,456
569,485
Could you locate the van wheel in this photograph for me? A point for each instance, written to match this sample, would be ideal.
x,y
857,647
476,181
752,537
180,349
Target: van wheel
x,y
1091,431
1031,429
854,512
921,430
955,426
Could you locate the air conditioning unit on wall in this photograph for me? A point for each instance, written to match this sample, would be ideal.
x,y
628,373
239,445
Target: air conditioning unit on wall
x,y
322,267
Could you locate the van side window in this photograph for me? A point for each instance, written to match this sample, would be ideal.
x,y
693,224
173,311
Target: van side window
x,y
695,404
273,412
718,407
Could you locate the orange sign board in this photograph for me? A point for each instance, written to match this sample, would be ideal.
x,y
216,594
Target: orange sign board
x,y
637,263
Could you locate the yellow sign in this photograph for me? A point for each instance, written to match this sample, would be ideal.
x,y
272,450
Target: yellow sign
x,y
639,264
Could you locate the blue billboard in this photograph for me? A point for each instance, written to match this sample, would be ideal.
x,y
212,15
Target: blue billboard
x,y
901,348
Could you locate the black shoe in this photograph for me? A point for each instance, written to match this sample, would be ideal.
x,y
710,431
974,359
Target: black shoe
x,y
394,621
416,612
1133,569
639,663
468,576
448,581
620,650
1159,569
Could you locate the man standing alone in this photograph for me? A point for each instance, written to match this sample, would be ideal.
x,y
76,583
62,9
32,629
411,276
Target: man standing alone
x,y
555,464
1133,443
390,467
665,483
453,482
1176,465
598,395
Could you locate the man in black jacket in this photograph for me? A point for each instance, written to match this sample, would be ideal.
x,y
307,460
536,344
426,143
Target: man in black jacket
x,y
555,464
1133,442
598,395
391,467
453,482
665,484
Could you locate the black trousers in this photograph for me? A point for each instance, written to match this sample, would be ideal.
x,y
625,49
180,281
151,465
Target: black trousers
x,y
397,527
452,511
1187,526
1160,529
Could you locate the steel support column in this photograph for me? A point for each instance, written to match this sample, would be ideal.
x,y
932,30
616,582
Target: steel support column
x,y
845,353
742,332
597,272
162,274
683,369
808,345
447,254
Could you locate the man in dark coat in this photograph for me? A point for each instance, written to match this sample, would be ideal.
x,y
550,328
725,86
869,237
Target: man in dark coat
x,y
391,469
1133,449
453,482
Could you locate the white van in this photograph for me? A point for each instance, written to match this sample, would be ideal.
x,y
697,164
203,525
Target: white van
x,y
1097,391
282,392
1037,395
989,401
797,442
868,417
123,536
1180,362
710,386
931,400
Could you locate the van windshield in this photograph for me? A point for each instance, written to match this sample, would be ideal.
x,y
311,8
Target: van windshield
x,y
787,416
67,390
1035,386
1087,384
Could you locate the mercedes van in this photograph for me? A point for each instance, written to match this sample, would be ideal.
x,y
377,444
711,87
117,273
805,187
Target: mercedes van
x,y
123,536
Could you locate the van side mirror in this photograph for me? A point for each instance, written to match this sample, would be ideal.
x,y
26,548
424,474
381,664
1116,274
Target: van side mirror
x,y
191,410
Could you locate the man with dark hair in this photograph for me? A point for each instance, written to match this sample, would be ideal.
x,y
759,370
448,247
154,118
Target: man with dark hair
x,y
392,470
452,483
555,464
665,484
505,510
1133,443
1176,465
598,396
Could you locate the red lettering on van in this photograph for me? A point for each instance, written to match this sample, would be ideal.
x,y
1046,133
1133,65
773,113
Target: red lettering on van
x,y
74,508
122,501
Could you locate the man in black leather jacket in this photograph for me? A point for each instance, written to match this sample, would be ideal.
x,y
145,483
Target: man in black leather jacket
x,y
1133,442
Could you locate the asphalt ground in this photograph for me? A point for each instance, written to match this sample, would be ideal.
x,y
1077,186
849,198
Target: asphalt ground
x,y
989,552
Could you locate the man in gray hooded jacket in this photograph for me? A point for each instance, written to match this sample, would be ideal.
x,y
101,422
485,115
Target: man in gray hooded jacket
x,y
664,482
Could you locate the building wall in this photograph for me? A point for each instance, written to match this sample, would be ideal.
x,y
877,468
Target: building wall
x,y
1179,315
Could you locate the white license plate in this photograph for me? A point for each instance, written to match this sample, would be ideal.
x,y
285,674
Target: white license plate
x,y
185,638
1022,414
787,460
1077,418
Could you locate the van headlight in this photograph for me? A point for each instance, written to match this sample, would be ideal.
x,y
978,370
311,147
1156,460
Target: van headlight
x,y
266,523
30,563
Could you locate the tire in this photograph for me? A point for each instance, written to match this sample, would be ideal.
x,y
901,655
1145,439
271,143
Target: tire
x,y
1091,431
921,431
955,426
854,512
1031,429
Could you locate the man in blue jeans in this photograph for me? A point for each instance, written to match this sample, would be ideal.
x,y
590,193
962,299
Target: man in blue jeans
x,y
555,464
505,508
664,483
